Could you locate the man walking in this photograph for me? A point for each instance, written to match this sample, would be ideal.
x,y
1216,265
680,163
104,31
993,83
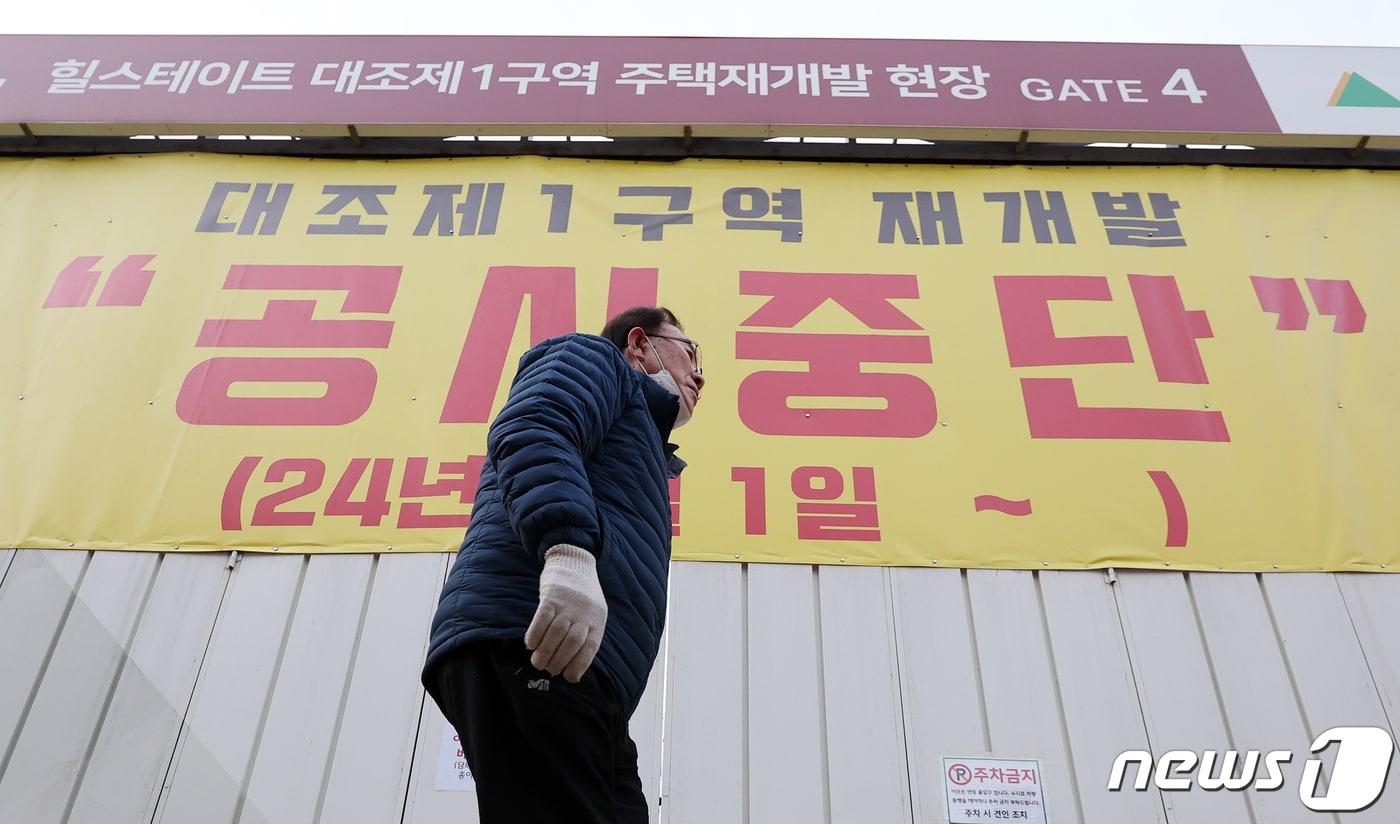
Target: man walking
x,y
550,620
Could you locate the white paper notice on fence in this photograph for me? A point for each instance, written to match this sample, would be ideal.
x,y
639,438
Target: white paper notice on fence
x,y
983,790
452,770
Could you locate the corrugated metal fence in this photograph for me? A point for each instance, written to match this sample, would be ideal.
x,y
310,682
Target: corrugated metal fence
x,y
184,688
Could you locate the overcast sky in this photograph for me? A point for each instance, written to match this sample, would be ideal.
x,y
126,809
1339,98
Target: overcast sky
x,y
1333,23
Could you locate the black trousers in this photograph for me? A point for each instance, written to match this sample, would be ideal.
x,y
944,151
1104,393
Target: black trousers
x,y
542,750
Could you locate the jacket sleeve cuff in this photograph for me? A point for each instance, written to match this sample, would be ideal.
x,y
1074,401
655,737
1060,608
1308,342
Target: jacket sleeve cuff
x,y
572,558
572,536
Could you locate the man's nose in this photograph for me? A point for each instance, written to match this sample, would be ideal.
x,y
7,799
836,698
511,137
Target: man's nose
x,y
699,378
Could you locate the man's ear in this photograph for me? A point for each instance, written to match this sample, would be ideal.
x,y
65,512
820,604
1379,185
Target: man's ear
x,y
636,351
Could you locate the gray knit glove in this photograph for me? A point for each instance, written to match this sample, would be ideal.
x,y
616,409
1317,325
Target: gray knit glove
x,y
568,625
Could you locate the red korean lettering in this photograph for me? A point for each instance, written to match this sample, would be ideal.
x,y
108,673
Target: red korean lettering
x,y
459,477
905,404
834,371
755,498
375,505
1053,409
822,517
673,488
206,395
266,512
289,323
483,358
551,290
795,295
1171,329
1030,336
628,287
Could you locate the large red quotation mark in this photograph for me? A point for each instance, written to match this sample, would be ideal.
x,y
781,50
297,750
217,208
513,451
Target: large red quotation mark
x,y
126,286
1282,297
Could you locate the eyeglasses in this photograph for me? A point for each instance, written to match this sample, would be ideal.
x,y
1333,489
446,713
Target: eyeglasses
x,y
693,352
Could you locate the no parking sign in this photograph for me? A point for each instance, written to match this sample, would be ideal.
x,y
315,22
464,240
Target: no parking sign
x,y
980,790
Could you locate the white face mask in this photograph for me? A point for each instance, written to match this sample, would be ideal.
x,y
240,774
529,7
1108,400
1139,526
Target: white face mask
x,y
668,382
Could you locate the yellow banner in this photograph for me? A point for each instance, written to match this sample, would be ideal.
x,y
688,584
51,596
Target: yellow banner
x,y
1190,368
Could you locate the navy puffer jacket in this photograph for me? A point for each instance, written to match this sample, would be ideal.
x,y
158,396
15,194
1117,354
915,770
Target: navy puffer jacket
x,y
578,455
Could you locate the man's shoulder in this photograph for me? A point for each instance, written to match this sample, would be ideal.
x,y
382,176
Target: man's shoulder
x,y
583,339
593,350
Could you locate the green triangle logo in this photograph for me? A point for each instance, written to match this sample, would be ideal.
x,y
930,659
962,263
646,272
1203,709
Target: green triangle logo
x,y
1355,90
